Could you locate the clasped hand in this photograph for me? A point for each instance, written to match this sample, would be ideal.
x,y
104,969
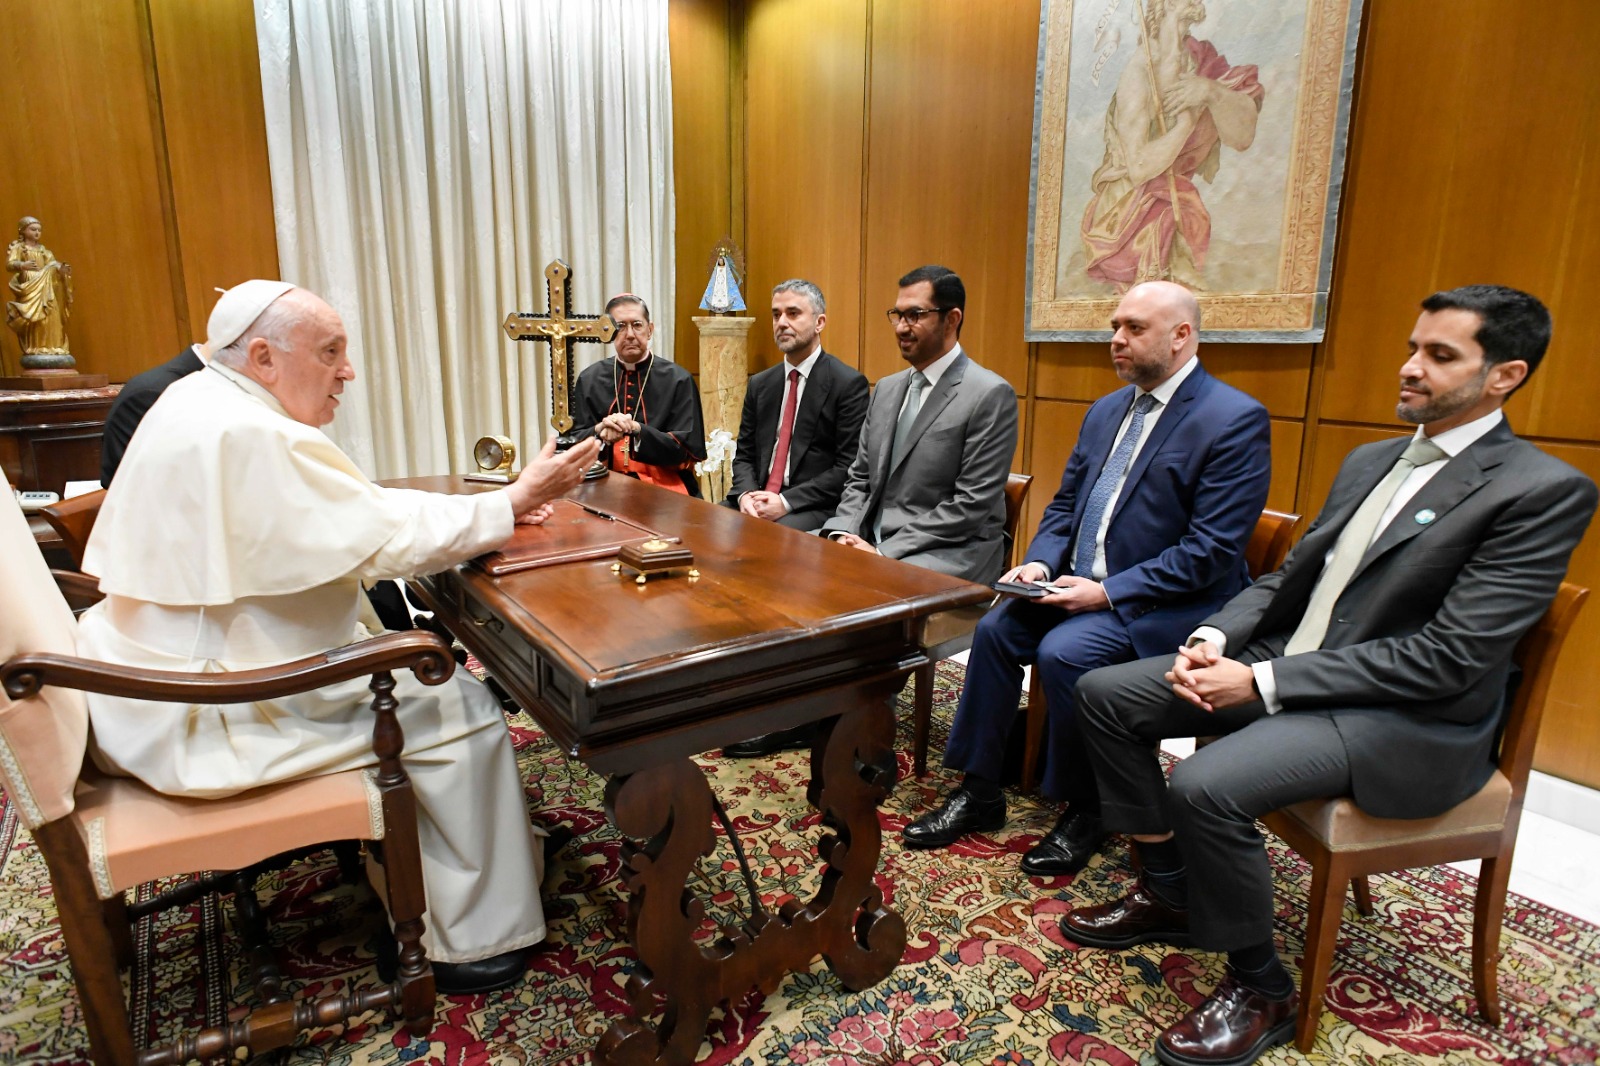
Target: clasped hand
x,y
1211,682
614,427
762,504
856,542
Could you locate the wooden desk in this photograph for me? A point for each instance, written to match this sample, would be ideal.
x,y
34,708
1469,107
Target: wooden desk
x,y
780,629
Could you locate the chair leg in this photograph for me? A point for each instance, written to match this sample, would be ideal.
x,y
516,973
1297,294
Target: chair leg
x,y
1034,732
921,715
1324,907
252,923
1487,912
119,927
89,945
1362,887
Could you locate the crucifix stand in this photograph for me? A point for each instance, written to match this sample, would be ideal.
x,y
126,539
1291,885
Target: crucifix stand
x,y
561,329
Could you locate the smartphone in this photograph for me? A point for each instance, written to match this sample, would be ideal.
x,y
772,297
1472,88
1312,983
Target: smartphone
x,y
1022,588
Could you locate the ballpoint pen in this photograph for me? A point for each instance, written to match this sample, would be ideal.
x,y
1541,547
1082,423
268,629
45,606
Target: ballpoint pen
x,y
598,513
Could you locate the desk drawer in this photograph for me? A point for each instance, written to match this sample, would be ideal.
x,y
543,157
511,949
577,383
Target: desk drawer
x,y
542,688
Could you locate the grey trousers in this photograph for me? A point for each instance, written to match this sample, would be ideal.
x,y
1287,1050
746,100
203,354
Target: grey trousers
x,y
1213,798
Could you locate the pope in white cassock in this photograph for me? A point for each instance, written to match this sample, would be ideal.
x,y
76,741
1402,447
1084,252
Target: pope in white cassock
x,y
236,535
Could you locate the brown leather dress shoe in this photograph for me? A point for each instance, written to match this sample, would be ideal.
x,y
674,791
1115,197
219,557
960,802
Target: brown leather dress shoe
x,y
1233,1027
1137,918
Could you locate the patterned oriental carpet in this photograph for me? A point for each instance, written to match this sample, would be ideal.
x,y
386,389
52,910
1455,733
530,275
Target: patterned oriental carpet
x,y
986,977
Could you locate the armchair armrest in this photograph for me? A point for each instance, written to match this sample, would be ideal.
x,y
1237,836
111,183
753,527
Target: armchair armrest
x,y
79,590
424,654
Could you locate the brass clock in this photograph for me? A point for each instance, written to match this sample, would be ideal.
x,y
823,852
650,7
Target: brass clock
x,y
496,458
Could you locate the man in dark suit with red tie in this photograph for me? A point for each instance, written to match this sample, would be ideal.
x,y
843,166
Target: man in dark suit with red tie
x,y
801,422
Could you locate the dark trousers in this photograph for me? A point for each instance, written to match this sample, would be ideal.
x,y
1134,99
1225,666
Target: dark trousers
x,y
1062,648
1213,798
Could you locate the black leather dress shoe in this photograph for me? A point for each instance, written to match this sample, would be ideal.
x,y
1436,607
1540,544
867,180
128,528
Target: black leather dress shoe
x,y
1233,1027
482,975
1067,848
797,739
961,814
1137,918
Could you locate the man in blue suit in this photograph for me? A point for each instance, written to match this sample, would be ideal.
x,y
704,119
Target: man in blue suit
x,y
1145,537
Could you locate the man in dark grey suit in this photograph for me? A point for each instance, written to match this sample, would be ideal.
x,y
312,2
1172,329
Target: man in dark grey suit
x,y
801,421
1374,665
928,483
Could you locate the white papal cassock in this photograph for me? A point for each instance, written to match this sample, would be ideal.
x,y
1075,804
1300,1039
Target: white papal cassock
x,y
235,537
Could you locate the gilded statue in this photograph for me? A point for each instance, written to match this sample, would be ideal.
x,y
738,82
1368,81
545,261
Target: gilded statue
x,y
42,286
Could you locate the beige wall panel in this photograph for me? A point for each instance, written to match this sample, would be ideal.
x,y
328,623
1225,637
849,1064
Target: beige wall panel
x,y
1451,185
83,157
949,139
1054,432
216,147
1569,740
1279,375
1332,444
1288,434
1077,371
805,112
1560,400
700,35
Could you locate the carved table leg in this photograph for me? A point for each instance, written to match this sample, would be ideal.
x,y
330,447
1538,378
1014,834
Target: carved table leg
x,y
665,814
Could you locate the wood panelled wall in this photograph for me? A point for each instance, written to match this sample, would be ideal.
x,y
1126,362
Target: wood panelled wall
x,y
135,134
881,134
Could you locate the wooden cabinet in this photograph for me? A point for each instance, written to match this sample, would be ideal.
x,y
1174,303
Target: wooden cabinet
x,y
50,438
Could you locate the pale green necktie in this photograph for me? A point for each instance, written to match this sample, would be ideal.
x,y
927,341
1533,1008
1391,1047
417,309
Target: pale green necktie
x,y
1353,544
902,431
908,416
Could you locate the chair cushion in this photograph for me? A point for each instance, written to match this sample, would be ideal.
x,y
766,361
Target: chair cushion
x,y
1343,826
135,834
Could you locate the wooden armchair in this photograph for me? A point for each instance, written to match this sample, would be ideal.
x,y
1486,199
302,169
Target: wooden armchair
x,y
950,632
1345,845
1269,545
73,520
101,835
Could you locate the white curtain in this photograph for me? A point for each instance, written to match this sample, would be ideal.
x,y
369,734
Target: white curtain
x,y
429,158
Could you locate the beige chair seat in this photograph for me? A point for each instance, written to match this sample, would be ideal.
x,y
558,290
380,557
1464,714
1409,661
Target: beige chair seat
x,y
135,834
1342,826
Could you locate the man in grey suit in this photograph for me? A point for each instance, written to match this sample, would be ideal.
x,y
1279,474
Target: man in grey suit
x,y
1374,664
928,483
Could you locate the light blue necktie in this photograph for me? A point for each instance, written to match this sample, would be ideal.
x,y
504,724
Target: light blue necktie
x,y
1106,486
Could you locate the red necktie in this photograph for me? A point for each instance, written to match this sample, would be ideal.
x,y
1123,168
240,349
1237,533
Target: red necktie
x,y
780,458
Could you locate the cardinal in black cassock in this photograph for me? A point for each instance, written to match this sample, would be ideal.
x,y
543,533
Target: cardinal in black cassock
x,y
645,409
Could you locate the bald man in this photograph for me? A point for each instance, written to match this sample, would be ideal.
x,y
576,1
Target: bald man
x,y
1145,537
236,535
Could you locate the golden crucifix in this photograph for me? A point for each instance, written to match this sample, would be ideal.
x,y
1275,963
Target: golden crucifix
x,y
560,328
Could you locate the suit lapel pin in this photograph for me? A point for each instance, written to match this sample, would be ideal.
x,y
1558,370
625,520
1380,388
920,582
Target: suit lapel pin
x,y
1425,516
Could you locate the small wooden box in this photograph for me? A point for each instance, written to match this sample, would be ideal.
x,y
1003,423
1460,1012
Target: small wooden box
x,y
648,557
